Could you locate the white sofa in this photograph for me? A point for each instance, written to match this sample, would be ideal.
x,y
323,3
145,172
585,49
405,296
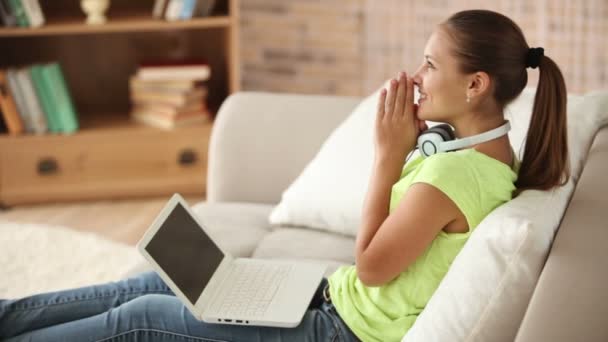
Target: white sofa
x,y
261,142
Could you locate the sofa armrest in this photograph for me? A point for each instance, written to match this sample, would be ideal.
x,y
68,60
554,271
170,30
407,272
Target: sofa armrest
x,y
570,301
260,142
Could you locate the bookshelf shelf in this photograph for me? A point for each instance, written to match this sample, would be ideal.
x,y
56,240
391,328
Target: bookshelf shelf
x,y
111,156
119,24
111,124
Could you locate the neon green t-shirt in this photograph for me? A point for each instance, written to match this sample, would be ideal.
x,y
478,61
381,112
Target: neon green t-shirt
x,y
477,184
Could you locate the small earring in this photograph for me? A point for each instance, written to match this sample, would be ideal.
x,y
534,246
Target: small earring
x,y
468,99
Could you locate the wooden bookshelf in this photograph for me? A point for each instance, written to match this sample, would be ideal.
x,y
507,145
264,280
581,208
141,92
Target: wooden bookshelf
x,y
111,156
119,24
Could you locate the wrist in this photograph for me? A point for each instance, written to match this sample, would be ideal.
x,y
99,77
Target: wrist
x,y
388,167
390,159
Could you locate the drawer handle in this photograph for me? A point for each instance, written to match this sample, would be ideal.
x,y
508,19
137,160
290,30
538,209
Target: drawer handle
x,y
187,157
47,166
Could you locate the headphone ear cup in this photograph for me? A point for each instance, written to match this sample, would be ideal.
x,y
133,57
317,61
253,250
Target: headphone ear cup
x,y
429,141
445,130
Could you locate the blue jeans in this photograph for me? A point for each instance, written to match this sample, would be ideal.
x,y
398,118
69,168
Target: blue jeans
x,y
143,308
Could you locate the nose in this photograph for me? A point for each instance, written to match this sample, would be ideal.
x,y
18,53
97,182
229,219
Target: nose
x,y
417,77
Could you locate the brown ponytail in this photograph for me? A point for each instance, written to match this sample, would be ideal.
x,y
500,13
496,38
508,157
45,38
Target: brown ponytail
x,y
545,161
491,42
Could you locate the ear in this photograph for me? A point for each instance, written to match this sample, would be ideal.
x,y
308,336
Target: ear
x,y
479,84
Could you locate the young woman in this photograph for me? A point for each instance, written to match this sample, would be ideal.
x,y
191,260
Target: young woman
x,y
415,218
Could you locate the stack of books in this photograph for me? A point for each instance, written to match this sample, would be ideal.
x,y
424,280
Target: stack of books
x,y
182,9
168,94
36,99
21,13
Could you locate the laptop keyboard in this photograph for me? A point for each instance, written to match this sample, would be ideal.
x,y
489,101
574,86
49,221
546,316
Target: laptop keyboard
x,y
252,290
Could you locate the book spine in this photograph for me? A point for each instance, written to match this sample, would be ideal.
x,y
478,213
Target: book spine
x,y
16,87
159,8
34,13
199,73
9,108
204,8
174,9
67,113
35,112
167,123
44,94
8,18
187,9
19,11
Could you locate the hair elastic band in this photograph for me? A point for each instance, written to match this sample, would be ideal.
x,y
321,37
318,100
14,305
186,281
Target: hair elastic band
x,y
534,56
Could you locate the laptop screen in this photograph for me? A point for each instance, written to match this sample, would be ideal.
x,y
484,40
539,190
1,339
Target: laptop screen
x,y
185,252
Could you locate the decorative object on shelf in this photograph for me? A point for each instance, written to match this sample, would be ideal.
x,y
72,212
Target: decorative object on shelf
x,y
95,11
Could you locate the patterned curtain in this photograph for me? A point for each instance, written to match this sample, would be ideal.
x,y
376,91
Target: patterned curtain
x,y
573,33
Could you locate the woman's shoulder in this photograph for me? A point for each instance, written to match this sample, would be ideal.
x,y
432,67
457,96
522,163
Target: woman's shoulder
x,y
452,160
467,158
466,166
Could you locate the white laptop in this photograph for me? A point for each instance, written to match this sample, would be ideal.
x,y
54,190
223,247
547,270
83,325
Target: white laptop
x,y
218,288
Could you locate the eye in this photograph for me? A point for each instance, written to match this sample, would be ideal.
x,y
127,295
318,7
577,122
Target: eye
x,y
430,65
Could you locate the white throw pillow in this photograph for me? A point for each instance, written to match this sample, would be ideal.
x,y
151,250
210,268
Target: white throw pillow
x,y
484,295
329,192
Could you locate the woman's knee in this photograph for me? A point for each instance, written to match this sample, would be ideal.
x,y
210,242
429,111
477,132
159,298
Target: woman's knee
x,y
146,282
151,311
153,305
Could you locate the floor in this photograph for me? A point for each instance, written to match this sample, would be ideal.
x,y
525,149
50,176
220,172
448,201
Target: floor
x,y
119,220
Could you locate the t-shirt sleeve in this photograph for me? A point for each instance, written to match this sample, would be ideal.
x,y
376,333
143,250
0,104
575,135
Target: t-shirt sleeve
x,y
454,176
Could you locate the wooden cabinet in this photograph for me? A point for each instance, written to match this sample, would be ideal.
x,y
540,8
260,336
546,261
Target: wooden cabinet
x,y
111,156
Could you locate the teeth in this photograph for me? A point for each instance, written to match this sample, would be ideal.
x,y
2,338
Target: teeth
x,y
421,97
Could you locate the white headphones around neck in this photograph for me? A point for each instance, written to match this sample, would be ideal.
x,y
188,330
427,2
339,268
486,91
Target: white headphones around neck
x,y
441,138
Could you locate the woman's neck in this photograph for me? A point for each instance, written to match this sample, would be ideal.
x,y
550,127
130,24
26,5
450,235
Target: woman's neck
x,y
476,123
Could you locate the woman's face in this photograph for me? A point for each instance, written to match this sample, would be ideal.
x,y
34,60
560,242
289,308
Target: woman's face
x,y
442,87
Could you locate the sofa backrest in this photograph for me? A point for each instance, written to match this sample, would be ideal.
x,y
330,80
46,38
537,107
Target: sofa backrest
x,y
261,142
570,301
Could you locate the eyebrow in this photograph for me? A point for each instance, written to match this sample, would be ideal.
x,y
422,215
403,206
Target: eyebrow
x,y
430,57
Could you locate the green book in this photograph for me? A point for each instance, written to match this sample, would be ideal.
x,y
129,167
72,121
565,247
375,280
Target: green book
x,y
19,12
66,113
42,87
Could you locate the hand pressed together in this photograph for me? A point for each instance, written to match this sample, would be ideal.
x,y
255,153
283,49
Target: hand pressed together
x,y
397,125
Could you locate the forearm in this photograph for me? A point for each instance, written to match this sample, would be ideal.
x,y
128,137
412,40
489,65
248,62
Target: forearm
x,y
375,210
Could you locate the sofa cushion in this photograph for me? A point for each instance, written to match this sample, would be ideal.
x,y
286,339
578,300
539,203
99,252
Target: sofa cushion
x,y
313,245
495,273
236,227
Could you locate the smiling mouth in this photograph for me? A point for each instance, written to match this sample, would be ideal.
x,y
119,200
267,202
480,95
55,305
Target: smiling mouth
x,y
421,98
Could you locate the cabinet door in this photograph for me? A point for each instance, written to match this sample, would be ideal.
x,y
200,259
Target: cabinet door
x,y
103,164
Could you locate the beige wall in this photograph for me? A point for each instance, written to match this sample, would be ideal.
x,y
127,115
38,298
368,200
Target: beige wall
x,y
348,47
302,46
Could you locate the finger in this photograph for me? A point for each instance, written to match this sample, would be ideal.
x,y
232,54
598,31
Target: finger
x,y
401,93
409,98
390,99
381,101
422,125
